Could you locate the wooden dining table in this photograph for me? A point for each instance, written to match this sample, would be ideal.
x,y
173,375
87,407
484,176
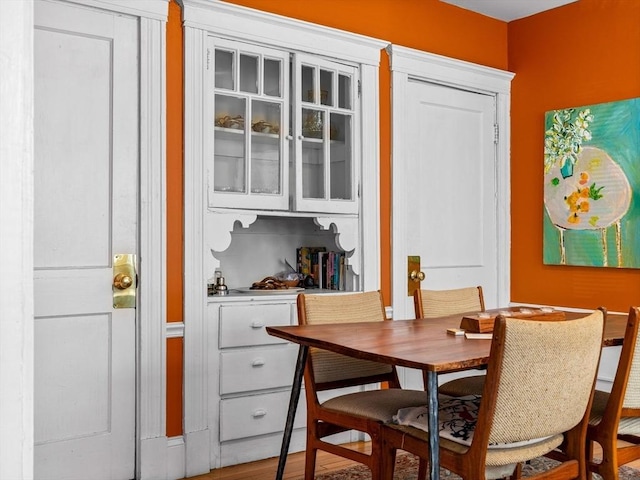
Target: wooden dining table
x,y
422,344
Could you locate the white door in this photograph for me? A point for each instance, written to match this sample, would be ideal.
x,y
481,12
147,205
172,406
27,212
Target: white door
x,y
86,177
448,195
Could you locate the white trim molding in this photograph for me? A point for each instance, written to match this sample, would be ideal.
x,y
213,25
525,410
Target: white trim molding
x,y
16,168
201,19
151,9
151,457
16,240
405,64
151,439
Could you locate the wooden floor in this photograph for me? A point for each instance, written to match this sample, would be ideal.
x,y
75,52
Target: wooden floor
x,y
266,469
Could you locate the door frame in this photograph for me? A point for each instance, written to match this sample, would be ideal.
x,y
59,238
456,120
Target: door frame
x,y
151,445
407,64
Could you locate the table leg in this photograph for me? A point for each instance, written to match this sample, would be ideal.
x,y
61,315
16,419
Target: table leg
x,y
293,405
434,437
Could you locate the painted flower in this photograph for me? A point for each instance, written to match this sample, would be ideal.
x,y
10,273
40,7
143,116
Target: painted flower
x,y
579,200
563,140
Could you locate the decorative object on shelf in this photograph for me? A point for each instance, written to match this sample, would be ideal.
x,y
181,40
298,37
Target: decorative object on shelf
x,y
591,157
220,288
227,121
263,126
313,125
324,96
273,283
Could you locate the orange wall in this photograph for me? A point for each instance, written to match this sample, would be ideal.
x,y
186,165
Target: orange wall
x,y
174,216
585,53
428,25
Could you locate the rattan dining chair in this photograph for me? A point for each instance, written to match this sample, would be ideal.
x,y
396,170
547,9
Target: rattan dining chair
x,y
616,416
364,411
439,303
538,393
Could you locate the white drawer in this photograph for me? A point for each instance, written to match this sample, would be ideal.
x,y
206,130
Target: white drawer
x,y
244,325
258,415
257,369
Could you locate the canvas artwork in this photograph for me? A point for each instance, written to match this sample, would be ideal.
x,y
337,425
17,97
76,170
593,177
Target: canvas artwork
x,y
592,185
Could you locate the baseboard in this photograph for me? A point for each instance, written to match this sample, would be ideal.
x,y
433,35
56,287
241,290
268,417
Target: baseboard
x,y
153,459
176,458
197,452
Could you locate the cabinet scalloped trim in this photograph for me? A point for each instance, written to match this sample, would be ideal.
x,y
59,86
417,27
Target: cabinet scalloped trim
x,y
217,235
218,227
347,236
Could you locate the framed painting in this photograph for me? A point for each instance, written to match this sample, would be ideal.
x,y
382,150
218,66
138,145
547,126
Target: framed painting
x,y
592,185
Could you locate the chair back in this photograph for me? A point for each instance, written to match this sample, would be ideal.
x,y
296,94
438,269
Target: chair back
x,y
328,370
540,380
438,303
629,381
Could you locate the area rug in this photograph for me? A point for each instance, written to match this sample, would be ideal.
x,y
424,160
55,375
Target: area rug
x,y
407,469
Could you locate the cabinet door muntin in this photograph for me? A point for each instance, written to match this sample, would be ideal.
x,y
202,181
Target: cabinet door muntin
x,y
251,118
324,122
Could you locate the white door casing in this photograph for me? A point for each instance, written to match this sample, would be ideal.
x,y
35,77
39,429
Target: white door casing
x,y
100,98
450,182
16,239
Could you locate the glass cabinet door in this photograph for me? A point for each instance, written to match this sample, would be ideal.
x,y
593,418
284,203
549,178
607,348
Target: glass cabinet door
x,y
324,124
249,86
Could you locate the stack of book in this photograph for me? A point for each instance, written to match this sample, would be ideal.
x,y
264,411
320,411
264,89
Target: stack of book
x,y
326,268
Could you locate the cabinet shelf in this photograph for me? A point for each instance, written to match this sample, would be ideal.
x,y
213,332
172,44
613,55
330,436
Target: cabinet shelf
x,y
240,131
230,131
265,135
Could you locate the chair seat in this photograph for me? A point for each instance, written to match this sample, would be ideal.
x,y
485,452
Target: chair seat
x,y
381,405
461,387
500,461
626,426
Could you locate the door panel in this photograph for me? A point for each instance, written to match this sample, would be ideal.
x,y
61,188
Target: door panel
x,y
449,196
450,193
71,372
455,184
86,190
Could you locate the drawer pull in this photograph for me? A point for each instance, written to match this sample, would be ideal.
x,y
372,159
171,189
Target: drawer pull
x,y
257,325
259,413
258,362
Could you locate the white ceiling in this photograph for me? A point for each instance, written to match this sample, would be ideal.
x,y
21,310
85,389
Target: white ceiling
x,y
508,10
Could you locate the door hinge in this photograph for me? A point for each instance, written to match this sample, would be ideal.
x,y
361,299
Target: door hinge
x,y
359,88
496,133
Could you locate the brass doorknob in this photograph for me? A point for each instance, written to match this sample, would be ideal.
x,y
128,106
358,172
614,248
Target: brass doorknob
x,y
416,276
122,281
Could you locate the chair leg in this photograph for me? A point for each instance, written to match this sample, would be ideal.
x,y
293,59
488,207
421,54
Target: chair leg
x,y
310,454
590,460
517,473
376,457
423,470
387,463
310,463
608,468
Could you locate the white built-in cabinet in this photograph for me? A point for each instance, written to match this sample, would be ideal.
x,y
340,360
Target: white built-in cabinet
x,y
281,151
280,144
